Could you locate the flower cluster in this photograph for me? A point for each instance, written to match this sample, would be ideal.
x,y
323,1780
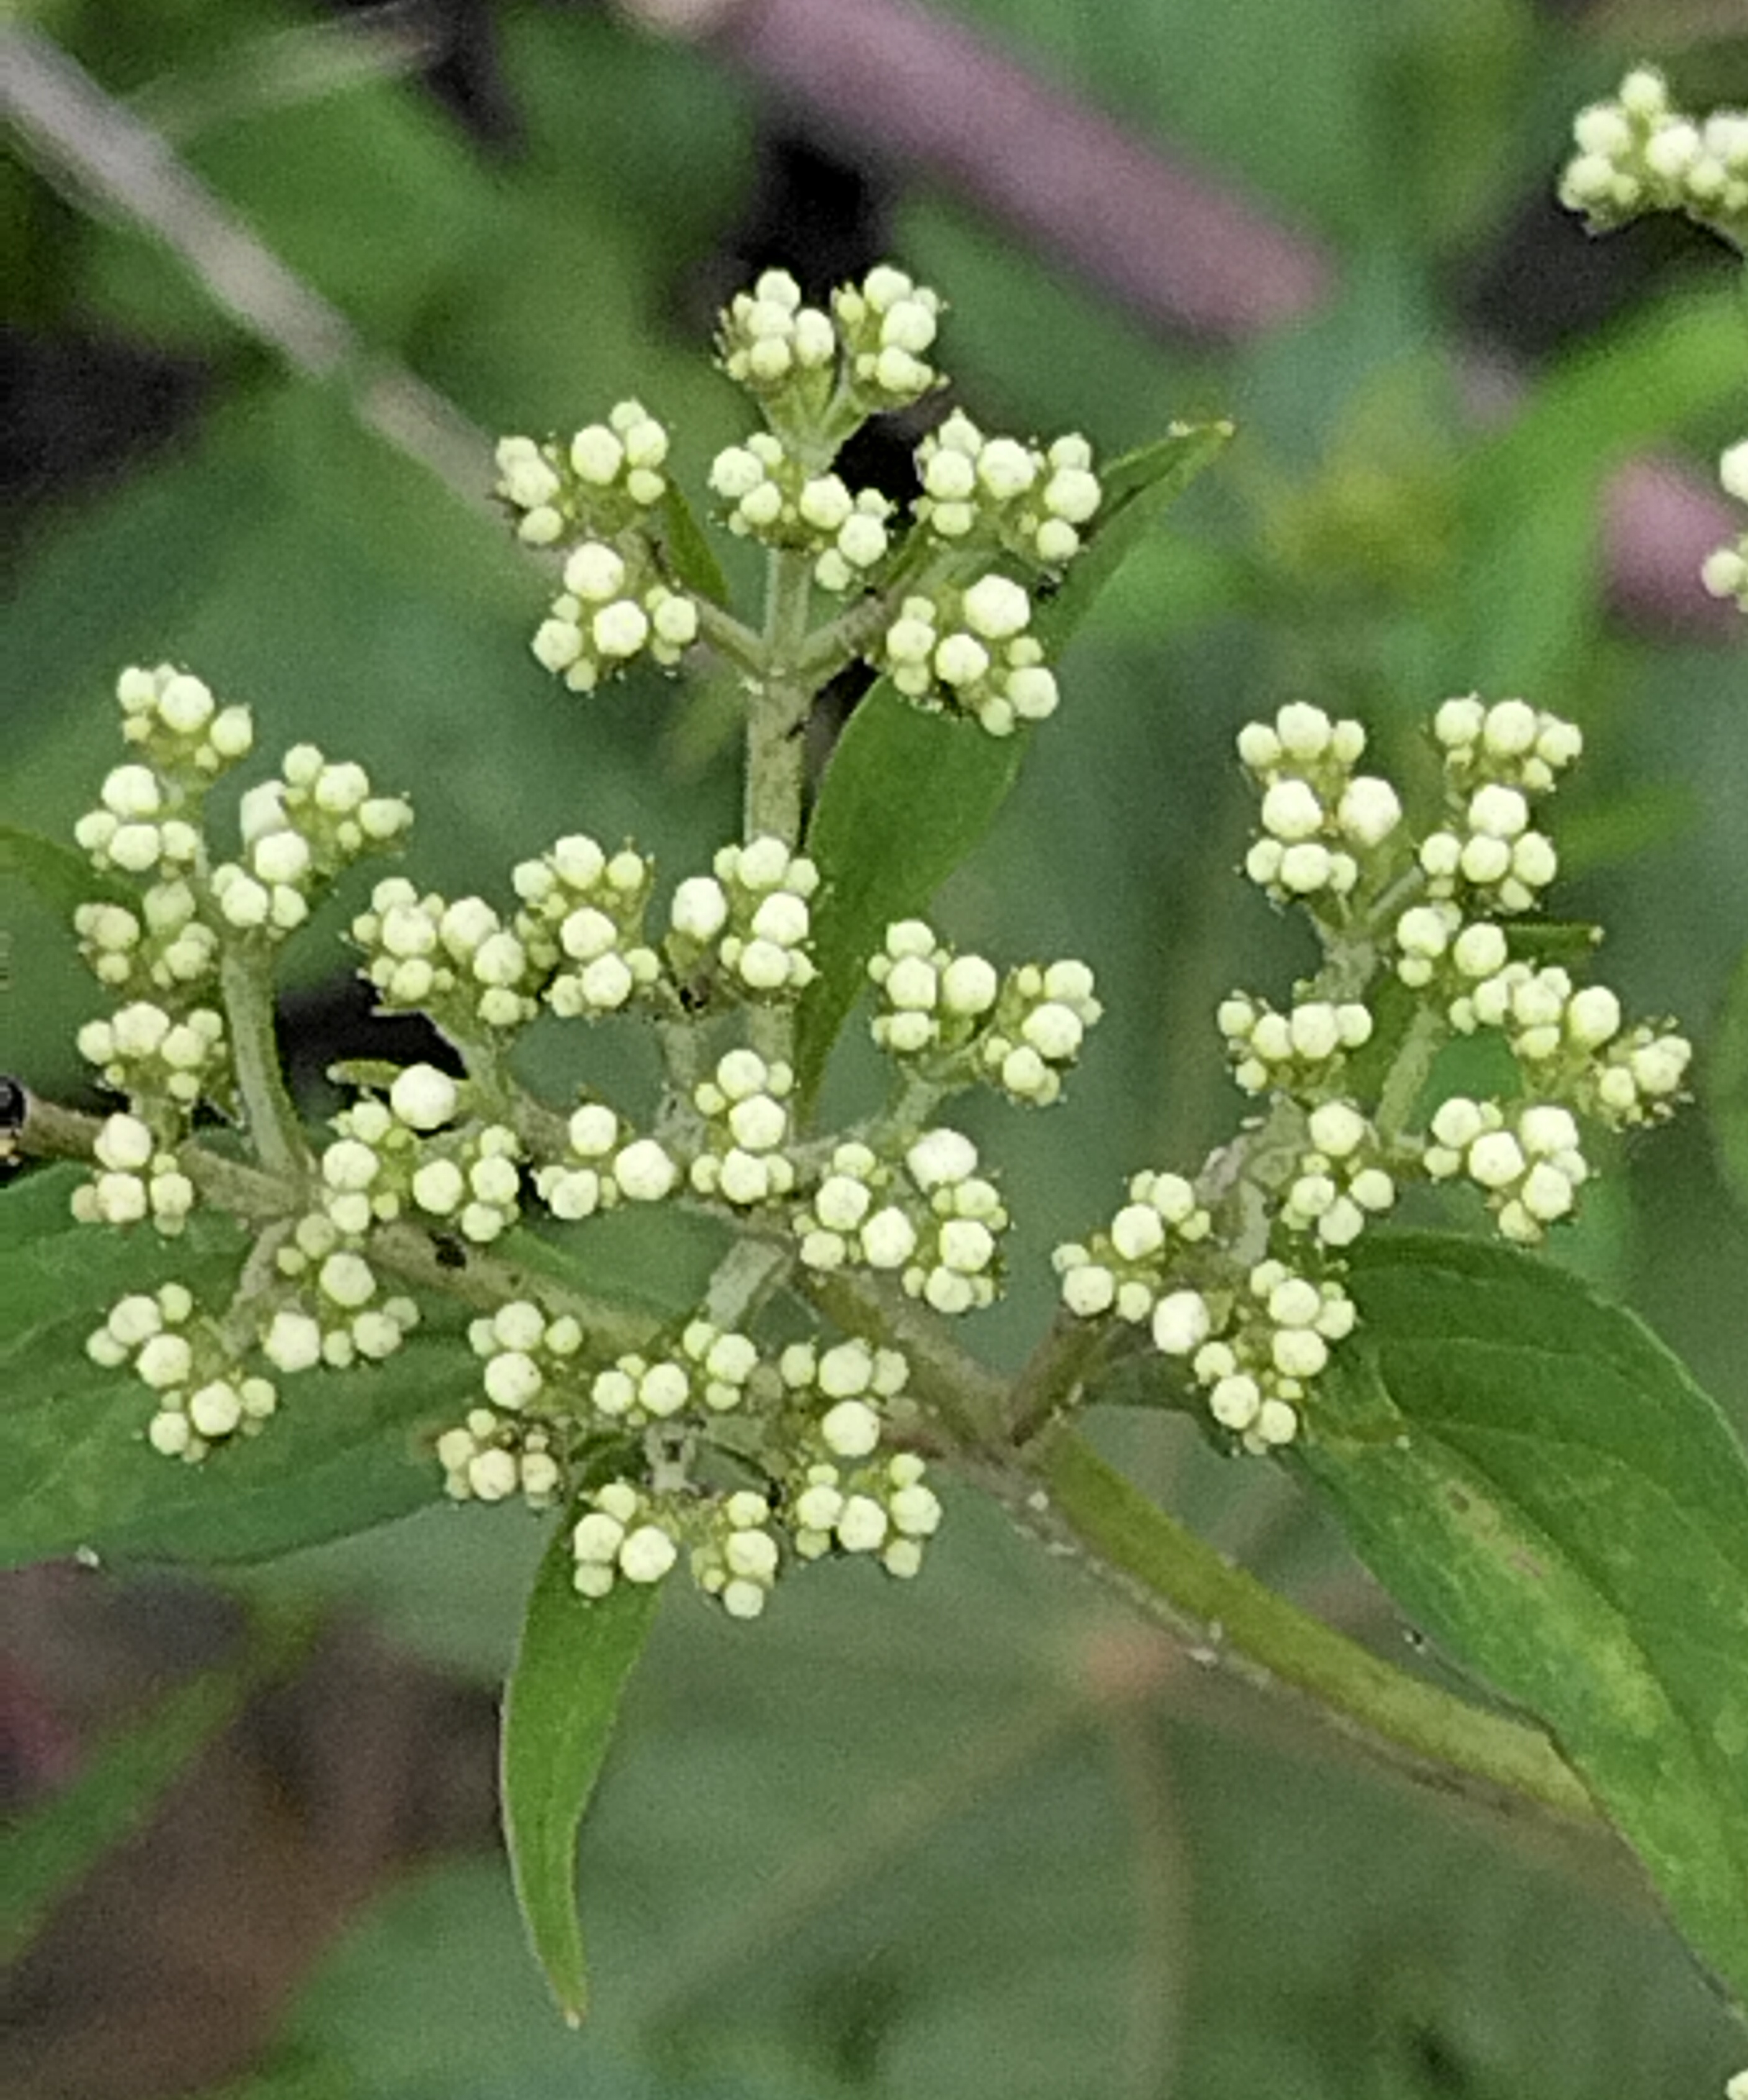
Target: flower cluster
x,y
581,925
834,1483
958,1019
932,1219
1319,819
612,608
946,619
605,481
202,1398
1031,503
768,494
134,1179
748,924
966,652
1238,1274
745,1106
1638,154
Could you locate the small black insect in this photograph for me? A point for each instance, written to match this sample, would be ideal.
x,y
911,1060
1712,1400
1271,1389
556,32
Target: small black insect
x,y
451,1254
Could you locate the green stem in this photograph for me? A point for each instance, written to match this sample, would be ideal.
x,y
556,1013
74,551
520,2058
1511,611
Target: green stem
x,y
270,1115
731,640
1065,1493
777,704
257,1199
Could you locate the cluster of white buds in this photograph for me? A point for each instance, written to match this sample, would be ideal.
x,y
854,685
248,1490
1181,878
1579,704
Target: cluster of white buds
x,y
184,729
768,494
726,1364
768,338
850,1496
1509,744
339,1315
488,1458
1724,572
523,1350
1291,1051
146,820
1275,1341
622,1535
751,915
887,324
424,951
736,1563
1638,154
1341,1181
135,831
746,1119
1492,853
1320,819
1033,503
163,946
202,1397
582,921
298,832
612,609
853,1220
1530,1167
142,1049
1637,1078
1123,1268
955,1266
938,1226
605,1162
133,1180
967,651
1021,1033
604,479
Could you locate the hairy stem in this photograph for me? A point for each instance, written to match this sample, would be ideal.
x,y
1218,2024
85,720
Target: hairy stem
x,y
270,1115
1066,1494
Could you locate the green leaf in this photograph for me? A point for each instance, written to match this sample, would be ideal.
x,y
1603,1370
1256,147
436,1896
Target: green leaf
x,y
694,557
908,795
559,1707
62,878
1726,1082
347,1450
1544,1489
45,1855
1137,489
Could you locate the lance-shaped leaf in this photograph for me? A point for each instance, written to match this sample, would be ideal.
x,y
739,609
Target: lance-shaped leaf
x,y
347,1450
61,877
689,551
1545,1491
908,795
559,1707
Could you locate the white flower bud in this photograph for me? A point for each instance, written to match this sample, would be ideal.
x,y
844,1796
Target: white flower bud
x,y
1368,811
620,629
1290,811
1181,1321
647,1554
997,608
643,1172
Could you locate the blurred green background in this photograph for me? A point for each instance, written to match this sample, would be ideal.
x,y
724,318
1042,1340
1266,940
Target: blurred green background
x,y
983,1835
